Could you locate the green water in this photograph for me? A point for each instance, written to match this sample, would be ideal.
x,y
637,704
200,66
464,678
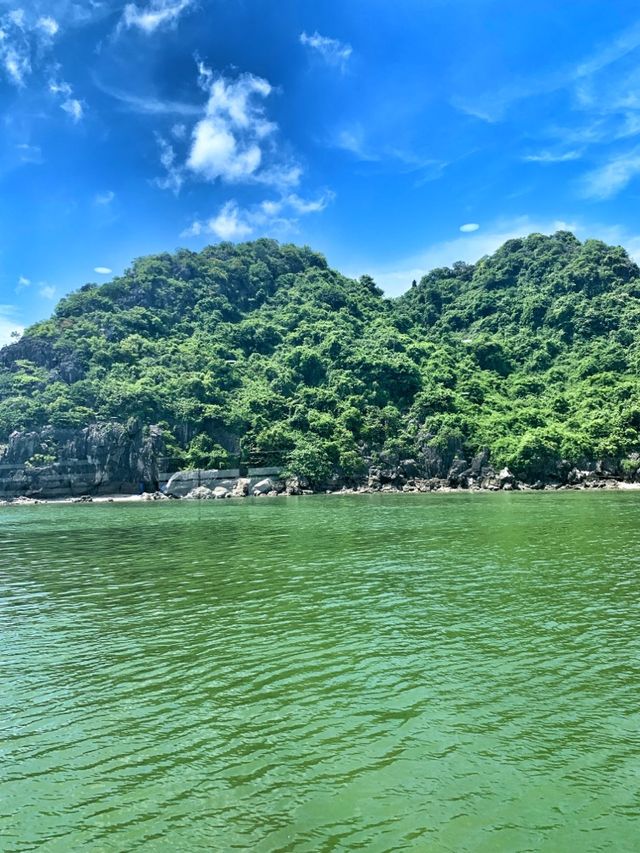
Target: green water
x,y
429,673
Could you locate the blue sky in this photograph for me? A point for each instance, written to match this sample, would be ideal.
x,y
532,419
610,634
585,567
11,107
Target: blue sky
x,y
393,137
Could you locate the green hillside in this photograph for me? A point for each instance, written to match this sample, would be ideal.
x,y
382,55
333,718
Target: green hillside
x,y
260,351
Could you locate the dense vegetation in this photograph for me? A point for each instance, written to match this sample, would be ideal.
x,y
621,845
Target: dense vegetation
x,y
260,350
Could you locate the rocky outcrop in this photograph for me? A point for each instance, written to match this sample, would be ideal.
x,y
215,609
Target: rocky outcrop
x,y
99,459
112,458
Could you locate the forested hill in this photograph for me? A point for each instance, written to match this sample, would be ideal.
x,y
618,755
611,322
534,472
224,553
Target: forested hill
x,y
260,350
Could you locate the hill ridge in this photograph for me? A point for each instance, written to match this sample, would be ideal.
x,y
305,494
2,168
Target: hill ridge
x,y
261,348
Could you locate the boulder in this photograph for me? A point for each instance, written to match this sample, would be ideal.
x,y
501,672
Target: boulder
x,y
263,487
220,492
505,477
241,487
200,493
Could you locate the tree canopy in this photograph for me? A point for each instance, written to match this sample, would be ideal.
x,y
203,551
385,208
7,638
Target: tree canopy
x,y
261,350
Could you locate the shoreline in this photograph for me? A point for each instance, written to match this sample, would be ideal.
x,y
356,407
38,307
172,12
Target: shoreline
x,y
149,497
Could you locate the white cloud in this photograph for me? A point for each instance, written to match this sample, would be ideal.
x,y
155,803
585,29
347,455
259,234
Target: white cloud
x,y
468,227
608,180
303,206
229,224
48,25
228,142
156,14
47,291
102,270
332,51
74,108
9,330
272,215
104,199
233,142
22,283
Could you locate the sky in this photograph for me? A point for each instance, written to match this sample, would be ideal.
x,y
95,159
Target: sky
x,y
392,137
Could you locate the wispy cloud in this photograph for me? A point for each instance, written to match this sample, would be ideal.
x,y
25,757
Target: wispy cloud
x,y
47,291
385,156
352,139
604,109
550,156
233,222
173,177
332,51
609,179
29,153
64,93
23,37
103,270
105,198
469,227
492,106
148,104
156,14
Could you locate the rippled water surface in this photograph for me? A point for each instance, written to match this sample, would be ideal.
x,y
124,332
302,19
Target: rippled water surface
x,y
430,673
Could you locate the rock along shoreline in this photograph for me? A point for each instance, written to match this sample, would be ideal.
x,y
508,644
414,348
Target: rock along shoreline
x,y
281,490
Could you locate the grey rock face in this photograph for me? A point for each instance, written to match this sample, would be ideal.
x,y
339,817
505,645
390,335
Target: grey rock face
x,y
98,459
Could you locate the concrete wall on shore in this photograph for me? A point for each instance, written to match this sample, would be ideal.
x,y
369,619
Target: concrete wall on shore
x,y
74,477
